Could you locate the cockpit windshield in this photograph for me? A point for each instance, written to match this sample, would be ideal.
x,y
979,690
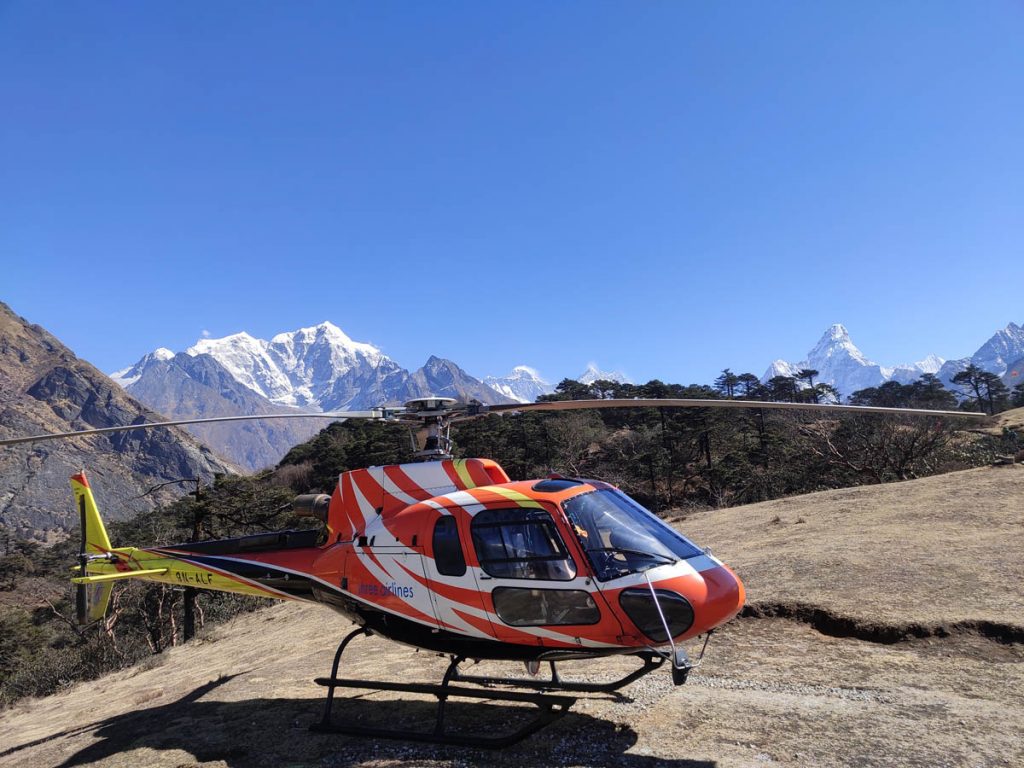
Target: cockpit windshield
x,y
621,537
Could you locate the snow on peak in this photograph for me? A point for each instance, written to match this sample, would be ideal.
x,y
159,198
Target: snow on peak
x,y
838,332
1002,349
780,368
930,364
593,373
128,376
296,368
835,342
525,372
240,340
841,364
326,329
524,384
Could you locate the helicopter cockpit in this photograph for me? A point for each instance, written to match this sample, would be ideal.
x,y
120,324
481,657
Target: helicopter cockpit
x,y
620,537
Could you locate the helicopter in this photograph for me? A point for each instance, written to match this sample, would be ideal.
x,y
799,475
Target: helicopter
x,y
453,557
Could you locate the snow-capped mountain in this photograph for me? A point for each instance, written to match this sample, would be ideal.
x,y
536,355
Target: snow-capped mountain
x,y
128,376
1003,348
312,369
523,384
185,386
318,368
593,374
999,355
841,364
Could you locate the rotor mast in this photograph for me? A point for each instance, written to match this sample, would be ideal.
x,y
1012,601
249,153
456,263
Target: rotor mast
x,y
435,414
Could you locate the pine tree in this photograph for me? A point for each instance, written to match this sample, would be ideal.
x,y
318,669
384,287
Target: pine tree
x,y
1017,398
988,391
726,383
782,389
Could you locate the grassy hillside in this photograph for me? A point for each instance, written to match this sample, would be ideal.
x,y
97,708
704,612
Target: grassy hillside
x,y
934,551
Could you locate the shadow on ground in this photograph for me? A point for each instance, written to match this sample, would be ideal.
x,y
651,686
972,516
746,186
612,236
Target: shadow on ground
x,y
273,732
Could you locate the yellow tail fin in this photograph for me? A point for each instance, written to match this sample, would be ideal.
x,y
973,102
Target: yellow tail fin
x,y
90,599
94,535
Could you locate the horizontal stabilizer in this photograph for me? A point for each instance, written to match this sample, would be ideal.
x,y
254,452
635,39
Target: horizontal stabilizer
x,y
114,576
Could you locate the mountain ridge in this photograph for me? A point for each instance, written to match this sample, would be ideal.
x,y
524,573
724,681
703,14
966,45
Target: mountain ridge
x,y
45,388
314,369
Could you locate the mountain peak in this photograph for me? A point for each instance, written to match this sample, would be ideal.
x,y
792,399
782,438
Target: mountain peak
x,y
240,340
841,364
593,373
837,332
1005,347
325,330
835,342
523,385
930,364
525,371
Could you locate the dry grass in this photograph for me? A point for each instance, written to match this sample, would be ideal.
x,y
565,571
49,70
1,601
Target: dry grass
x,y
771,692
939,550
1012,419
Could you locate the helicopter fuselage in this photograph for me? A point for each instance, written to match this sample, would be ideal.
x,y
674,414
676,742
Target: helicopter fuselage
x,y
452,557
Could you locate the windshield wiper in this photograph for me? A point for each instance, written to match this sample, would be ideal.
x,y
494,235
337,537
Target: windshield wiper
x,y
654,555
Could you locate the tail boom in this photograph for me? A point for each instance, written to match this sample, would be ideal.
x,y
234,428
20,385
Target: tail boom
x,y
100,565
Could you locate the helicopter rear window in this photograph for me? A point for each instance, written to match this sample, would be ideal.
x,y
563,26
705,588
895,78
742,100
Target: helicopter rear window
x,y
448,548
520,543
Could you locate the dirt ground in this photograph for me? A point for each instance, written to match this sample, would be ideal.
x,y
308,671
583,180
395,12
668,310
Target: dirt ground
x,y
902,644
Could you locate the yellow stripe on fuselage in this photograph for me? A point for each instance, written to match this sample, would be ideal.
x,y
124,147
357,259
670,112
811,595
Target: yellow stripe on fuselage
x,y
463,472
521,499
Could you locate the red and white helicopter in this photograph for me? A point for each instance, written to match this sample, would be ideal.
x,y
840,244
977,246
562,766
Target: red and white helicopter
x,y
453,557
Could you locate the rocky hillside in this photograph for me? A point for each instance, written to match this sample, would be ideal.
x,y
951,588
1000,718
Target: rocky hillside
x,y
45,388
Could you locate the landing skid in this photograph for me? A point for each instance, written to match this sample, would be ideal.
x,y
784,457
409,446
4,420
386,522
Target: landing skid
x,y
652,661
551,706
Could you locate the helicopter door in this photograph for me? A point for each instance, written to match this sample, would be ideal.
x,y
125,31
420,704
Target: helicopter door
x,y
456,600
534,583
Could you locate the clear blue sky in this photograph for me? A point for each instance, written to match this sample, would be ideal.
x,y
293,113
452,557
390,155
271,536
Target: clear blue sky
x,y
667,188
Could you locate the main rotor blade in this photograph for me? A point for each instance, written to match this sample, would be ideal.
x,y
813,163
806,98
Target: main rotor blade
x,y
573,405
379,413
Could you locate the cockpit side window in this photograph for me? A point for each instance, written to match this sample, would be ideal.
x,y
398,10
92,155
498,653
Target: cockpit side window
x,y
448,555
520,543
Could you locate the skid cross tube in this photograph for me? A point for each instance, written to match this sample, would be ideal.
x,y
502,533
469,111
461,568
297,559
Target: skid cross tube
x,y
652,661
551,707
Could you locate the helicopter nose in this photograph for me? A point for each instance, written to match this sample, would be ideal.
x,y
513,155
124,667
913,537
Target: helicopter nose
x,y
723,598
688,604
